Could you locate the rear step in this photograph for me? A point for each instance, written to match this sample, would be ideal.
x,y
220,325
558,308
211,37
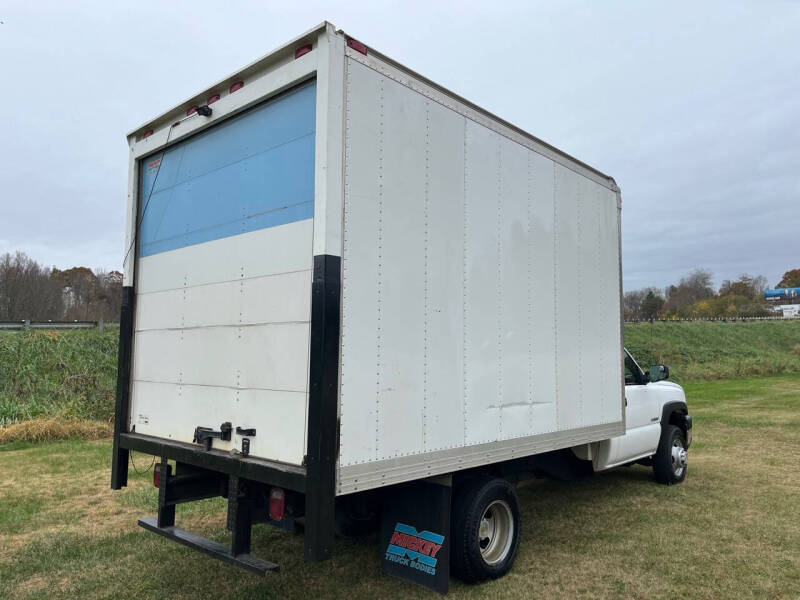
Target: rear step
x,y
254,564
192,483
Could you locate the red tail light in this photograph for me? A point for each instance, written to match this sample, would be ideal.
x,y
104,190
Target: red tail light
x,y
302,50
157,474
277,504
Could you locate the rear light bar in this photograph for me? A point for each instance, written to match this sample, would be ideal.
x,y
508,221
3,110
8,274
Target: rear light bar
x,y
277,504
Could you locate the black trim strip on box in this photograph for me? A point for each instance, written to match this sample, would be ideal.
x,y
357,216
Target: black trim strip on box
x,y
255,469
323,400
119,464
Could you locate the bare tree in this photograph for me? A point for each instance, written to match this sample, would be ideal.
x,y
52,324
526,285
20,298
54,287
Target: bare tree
x,y
108,298
694,287
26,290
746,286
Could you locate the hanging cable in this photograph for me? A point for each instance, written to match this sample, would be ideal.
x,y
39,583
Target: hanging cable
x,y
204,111
138,472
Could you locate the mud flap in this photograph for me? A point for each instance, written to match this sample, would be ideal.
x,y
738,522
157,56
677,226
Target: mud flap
x,y
415,532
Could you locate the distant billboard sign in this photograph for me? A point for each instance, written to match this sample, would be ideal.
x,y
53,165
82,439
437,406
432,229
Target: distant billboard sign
x,y
792,293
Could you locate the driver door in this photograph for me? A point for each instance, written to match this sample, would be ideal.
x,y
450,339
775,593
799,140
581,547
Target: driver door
x,y
642,421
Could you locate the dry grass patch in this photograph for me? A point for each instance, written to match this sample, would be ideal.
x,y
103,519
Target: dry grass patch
x,y
53,429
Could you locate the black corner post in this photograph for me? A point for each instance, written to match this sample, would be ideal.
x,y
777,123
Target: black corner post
x,y
119,465
323,401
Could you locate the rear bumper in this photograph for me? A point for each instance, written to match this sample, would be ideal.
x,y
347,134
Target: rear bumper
x,y
274,473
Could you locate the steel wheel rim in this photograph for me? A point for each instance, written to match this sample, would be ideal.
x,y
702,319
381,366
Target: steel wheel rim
x,y
679,457
495,532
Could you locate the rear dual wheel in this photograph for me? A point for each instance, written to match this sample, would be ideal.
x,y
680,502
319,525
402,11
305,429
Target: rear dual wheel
x,y
485,529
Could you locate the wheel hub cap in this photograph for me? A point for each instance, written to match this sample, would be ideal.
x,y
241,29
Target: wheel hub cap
x,y
496,532
680,458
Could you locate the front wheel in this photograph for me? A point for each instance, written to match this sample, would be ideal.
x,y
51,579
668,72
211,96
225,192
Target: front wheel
x,y
485,529
671,459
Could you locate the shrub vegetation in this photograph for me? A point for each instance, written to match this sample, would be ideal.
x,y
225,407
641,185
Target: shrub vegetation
x,y
716,349
65,374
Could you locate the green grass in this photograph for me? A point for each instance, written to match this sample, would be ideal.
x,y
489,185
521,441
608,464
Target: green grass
x,y
57,373
717,349
731,530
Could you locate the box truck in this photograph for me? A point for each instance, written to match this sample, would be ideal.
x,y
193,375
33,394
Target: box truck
x,y
354,298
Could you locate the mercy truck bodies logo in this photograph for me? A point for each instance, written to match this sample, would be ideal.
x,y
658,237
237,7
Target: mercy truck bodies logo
x,y
413,549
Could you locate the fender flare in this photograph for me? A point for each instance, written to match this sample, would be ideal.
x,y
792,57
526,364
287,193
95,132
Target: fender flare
x,y
676,413
672,407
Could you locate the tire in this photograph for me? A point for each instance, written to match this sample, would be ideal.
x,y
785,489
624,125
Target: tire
x,y
671,459
485,529
357,515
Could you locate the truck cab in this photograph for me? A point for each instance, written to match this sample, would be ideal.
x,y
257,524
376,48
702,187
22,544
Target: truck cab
x,y
658,428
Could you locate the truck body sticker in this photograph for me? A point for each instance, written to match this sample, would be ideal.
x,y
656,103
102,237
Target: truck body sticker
x,y
414,549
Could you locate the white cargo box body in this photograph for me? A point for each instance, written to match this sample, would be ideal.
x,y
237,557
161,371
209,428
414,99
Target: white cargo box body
x,y
479,286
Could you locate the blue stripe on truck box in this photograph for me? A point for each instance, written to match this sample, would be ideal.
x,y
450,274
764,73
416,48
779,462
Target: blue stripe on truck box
x,y
252,172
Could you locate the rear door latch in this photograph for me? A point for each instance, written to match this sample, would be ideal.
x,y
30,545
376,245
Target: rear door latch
x,y
205,435
246,435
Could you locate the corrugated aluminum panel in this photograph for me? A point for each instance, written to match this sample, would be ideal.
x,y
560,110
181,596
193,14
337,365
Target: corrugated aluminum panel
x,y
444,242
465,255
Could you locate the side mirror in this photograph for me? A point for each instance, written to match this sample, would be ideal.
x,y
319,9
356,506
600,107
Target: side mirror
x,y
659,372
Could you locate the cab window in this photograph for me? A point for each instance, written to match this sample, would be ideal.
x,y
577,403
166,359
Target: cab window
x,y
633,374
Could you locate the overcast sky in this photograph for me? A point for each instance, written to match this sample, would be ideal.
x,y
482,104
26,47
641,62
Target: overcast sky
x,y
693,107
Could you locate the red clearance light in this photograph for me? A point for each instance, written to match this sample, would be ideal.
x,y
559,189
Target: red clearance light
x,y
212,99
302,50
191,111
148,133
357,46
236,86
277,504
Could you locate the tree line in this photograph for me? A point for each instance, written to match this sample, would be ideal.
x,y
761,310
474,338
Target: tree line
x,y
694,297
29,290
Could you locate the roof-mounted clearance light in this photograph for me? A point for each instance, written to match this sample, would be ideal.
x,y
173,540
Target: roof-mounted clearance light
x,y
212,99
357,46
302,50
191,111
235,87
148,133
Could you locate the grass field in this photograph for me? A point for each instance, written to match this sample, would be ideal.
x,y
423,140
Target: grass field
x,y
732,530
